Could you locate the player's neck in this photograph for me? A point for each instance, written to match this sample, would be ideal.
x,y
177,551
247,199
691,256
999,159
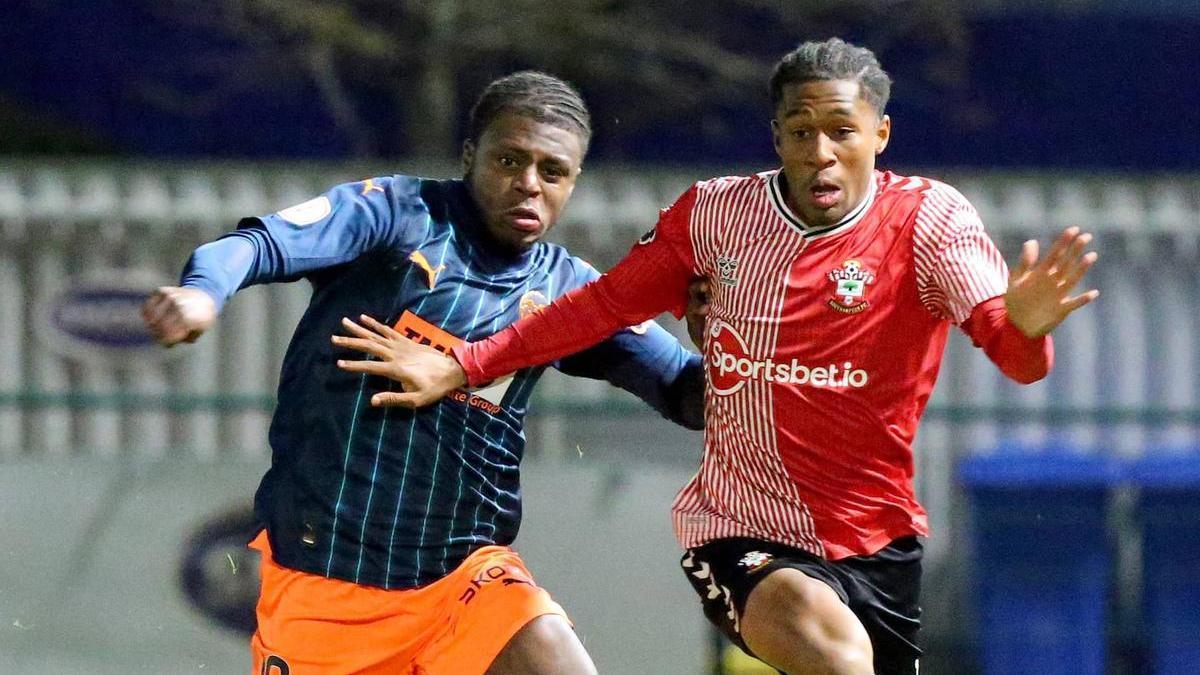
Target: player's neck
x,y
473,222
792,203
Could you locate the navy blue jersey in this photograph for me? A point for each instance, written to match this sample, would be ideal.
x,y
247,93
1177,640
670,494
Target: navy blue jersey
x,y
393,497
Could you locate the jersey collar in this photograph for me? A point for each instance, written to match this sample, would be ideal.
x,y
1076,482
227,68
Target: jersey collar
x,y
776,191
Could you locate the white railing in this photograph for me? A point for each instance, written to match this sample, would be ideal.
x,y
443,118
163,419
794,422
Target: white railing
x,y
1126,377
64,222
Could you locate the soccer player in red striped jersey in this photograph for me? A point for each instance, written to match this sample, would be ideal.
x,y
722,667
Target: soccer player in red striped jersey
x,y
832,288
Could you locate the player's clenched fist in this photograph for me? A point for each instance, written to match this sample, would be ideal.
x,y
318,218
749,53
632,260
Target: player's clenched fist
x,y
174,314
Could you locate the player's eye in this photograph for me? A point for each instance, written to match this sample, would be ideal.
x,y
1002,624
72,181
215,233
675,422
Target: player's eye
x,y
845,132
507,161
554,173
801,134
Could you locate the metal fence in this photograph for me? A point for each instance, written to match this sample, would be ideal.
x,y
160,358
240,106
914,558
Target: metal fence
x,y
78,236
81,242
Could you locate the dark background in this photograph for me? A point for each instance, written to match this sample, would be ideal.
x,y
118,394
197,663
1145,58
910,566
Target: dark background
x,y
1079,85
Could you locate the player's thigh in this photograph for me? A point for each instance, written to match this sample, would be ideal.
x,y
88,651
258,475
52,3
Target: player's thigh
x,y
545,646
799,624
884,591
311,624
496,602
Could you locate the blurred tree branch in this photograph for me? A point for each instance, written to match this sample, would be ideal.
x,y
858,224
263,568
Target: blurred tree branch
x,y
658,61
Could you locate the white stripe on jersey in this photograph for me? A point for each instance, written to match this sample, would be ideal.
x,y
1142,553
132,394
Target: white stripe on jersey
x,y
742,488
957,265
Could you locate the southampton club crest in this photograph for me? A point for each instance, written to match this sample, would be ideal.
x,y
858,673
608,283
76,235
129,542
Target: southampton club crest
x,y
755,561
850,286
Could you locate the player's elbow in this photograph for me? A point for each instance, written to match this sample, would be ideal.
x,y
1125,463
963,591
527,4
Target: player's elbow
x,y
687,413
1025,369
685,397
694,421
1027,373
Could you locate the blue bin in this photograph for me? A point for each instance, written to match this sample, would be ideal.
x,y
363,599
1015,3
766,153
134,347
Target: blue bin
x,y
1170,518
1042,562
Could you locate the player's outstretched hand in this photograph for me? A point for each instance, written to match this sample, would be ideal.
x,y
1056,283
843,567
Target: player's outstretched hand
x,y
425,373
173,314
1039,291
697,311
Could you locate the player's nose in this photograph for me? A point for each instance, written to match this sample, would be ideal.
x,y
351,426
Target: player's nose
x,y
823,154
527,180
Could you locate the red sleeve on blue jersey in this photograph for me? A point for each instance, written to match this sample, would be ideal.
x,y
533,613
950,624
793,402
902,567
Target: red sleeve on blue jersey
x,y
1023,359
652,279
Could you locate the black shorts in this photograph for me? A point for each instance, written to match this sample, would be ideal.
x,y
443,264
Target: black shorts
x,y
883,590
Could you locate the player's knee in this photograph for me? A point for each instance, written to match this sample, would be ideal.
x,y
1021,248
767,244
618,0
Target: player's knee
x,y
823,649
850,657
545,646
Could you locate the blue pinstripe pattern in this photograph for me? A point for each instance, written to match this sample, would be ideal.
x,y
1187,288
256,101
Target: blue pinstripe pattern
x,y
414,491
437,454
462,445
362,535
337,509
408,448
484,499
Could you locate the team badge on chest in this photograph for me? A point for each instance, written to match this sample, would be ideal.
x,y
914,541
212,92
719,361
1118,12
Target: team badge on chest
x,y
531,302
850,287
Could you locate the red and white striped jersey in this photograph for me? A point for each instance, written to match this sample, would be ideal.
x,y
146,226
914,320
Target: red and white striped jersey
x,y
822,351
823,346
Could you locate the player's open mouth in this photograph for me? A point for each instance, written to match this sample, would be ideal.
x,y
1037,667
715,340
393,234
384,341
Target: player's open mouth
x,y
523,219
824,195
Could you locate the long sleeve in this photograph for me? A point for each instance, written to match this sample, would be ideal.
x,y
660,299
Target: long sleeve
x,y
1023,359
646,361
332,229
219,268
652,279
962,277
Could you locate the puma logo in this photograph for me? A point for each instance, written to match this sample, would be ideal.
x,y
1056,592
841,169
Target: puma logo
x,y
430,271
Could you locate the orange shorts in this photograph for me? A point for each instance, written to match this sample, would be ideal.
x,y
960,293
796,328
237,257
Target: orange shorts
x,y
311,625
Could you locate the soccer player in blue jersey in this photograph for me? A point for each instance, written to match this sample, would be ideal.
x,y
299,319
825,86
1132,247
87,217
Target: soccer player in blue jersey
x,y
386,537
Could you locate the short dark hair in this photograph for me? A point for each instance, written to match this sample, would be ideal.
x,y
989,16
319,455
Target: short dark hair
x,y
833,59
532,94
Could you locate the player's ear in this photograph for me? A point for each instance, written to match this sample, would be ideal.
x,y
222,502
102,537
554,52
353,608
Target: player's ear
x,y
883,134
775,134
468,156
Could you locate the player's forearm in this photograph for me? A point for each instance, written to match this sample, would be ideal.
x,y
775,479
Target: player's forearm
x,y
219,268
1021,358
685,396
574,322
236,260
648,282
